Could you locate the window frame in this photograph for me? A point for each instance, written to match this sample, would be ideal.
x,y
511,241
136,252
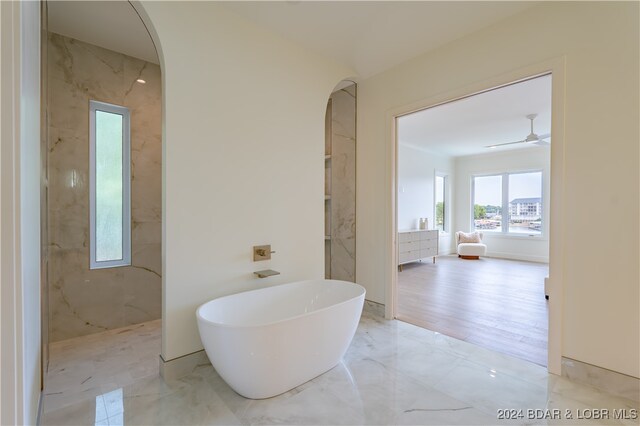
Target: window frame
x,y
445,199
126,184
504,232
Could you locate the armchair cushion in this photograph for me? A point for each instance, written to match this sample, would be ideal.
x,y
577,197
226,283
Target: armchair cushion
x,y
472,237
472,249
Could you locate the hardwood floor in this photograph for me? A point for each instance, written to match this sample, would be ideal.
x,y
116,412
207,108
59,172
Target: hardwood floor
x,y
494,303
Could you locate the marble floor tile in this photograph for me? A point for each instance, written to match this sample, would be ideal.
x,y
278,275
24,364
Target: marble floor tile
x,y
490,390
393,373
87,367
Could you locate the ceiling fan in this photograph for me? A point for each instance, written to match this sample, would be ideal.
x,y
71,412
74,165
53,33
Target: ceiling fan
x,y
532,138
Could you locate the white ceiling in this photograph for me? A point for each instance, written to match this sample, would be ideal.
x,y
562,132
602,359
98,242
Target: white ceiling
x,y
372,36
467,126
114,25
369,36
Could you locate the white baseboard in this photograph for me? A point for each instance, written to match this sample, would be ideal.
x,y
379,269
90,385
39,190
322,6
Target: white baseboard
x,y
610,381
524,257
500,255
182,366
373,308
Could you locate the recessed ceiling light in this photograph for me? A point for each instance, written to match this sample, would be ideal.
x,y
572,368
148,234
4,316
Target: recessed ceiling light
x,y
141,81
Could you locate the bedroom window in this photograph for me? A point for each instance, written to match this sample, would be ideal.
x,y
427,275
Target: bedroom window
x,y
109,186
509,203
525,203
441,203
487,203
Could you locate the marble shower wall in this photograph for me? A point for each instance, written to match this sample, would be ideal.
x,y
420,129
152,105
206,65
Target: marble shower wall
x,y
83,301
342,181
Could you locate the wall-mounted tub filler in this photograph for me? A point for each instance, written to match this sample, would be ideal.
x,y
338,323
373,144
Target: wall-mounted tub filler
x,y
262,252
266,273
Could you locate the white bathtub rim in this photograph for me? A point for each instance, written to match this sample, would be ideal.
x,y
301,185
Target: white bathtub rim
x,y
217,324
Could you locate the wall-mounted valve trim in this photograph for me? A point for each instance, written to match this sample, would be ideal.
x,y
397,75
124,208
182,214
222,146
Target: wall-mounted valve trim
x,y
262,252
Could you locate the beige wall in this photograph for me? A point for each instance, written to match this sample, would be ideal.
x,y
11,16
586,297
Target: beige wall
x,y
84,301
244,161
600,43
416,185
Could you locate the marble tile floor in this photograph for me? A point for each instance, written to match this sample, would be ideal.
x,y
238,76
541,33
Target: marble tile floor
x,y
393,373
90,366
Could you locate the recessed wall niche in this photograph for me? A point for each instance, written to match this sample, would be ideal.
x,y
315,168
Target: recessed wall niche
x,y
340,184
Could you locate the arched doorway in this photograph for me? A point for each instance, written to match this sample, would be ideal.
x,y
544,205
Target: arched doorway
x,y
103,116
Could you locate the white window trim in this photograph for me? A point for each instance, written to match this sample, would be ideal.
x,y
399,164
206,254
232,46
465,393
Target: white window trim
x,y
447,207
504,232
126,183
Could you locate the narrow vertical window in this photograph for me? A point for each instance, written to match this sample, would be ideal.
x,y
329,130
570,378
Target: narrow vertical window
x,y
110,171
441,203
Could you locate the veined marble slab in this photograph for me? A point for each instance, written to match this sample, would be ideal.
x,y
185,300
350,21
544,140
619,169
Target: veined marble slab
x,y
84,301
342,181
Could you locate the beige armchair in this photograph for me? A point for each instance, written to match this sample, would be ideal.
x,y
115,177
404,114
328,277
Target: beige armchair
x,y
470,246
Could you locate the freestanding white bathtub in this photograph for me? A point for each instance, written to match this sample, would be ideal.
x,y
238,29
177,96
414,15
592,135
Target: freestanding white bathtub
x,y
265,342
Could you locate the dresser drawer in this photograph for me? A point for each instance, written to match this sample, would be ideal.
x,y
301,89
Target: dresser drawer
x,y
428,252
409,246
408,256
427,244
429,235
404,237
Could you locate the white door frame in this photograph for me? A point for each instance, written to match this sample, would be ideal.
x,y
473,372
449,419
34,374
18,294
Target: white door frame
x,y
20,212
555,284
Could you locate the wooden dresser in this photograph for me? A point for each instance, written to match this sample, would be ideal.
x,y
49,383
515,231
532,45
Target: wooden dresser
x,y
415,245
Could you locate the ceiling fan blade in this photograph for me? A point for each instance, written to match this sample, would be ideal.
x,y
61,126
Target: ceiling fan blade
x,y
532,138
506,143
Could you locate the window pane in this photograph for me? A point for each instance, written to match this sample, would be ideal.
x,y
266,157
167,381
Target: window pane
x,y
440,215
487,203
109,186
525,203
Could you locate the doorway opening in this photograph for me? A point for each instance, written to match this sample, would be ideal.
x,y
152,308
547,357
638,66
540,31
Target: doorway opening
x,y
102,218
473,217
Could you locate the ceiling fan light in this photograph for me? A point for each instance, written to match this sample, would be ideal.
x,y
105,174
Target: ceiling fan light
x,y
532,138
